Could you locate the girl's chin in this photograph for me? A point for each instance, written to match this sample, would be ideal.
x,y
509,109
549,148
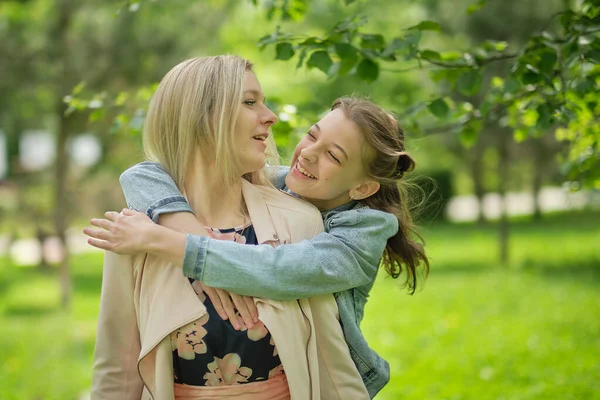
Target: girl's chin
x,y
296,185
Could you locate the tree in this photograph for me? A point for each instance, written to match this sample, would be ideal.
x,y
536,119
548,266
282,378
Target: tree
x,y
73,67
545,86
551,81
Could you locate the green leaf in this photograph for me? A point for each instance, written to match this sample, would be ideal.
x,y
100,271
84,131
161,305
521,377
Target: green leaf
x,y
521,134
372,41
301,58
345,50
475,7
348,57
449,75
593,56
548,61
439,108
486,107
284,51
512,85
79,88
350,24
469,133
426,26
413,37
308,42
430,55
451,55
545,116
469,82
531,76
368,70
267,39
321,60
96,115
334,70
121,99
395,45
584,86
493,45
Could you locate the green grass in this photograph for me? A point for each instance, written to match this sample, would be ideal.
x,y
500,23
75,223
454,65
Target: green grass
x,y
476,331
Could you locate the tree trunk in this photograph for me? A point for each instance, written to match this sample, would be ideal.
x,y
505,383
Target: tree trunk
x,y
60,209
538,176
477,176
62,162
503,175
41,236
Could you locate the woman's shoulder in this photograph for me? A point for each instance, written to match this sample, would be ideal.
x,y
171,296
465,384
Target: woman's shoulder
x,y
277,198
293,219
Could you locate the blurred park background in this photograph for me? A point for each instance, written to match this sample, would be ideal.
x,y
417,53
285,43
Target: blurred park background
x,y
499,100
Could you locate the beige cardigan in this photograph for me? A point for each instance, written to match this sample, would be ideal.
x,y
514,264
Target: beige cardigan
x,y
143,301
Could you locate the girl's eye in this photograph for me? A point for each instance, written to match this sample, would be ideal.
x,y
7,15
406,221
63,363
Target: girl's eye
x,y
250,102
309,133
334,157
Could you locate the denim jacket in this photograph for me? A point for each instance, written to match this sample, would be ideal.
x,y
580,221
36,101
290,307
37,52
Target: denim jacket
x,y
343,260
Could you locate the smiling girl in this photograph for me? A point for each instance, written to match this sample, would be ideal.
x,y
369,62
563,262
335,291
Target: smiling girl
x,y
350,165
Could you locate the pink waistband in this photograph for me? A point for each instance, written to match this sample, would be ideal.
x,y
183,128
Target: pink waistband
x,y
275,388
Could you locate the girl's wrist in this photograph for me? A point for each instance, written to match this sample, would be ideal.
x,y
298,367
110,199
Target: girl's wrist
x,y
166,243
155,239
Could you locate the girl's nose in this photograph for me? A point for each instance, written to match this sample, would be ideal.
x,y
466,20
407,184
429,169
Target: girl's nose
x,y
308,155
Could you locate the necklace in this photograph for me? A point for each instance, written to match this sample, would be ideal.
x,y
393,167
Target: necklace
x,y
235,234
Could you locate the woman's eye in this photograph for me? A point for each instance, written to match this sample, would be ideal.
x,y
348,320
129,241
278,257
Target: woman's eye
x,y
309,133
250,102
334,157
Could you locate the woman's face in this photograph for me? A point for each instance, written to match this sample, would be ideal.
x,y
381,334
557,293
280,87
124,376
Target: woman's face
x,y
327,166
252,126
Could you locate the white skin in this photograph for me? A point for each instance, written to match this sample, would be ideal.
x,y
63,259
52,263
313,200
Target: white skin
x,y
331,154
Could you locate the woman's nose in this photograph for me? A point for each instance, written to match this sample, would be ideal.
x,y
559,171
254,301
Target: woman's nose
x,y
269,117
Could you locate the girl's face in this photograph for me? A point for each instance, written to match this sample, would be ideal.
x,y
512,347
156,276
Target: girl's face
x,y
252,126
327,167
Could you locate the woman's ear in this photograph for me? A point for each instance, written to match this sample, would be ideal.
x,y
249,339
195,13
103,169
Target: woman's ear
x,y
364,190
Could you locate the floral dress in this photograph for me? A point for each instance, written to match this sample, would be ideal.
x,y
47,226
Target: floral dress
x,y
210,352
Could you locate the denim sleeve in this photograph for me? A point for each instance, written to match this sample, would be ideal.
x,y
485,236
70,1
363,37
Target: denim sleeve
x,y
345,257
149,188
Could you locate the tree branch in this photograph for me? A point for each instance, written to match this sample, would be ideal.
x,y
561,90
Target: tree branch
x,y
479,62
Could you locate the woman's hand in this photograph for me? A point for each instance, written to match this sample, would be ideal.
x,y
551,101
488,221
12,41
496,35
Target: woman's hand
x,y
127,232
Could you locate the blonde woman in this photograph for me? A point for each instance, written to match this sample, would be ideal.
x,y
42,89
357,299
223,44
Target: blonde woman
x,y
159,335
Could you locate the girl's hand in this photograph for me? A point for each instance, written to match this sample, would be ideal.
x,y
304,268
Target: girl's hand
x,y
127,232
226,303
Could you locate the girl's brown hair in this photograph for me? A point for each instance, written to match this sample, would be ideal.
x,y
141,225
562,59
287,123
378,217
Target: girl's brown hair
x,y
387,162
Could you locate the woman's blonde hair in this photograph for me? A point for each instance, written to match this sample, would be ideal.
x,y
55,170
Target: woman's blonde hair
x,y
194,109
